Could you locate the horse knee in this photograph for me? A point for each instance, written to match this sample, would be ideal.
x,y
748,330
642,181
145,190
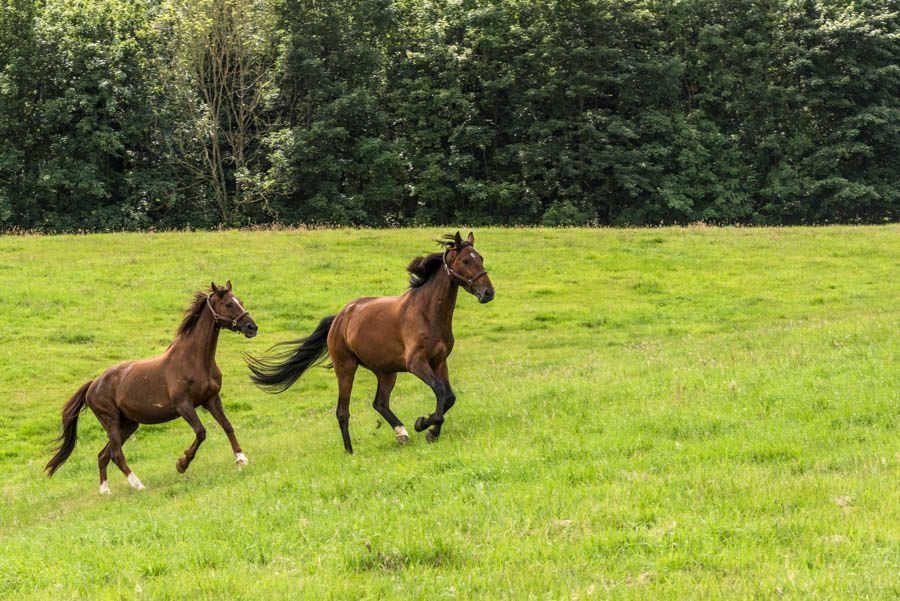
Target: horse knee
x,y
201,434
342,417
451,400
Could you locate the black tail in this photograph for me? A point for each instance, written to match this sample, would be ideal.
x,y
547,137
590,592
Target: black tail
x,y
69,434
279,371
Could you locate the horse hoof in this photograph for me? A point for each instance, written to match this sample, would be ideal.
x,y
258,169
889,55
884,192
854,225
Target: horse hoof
x,y
420,424
104,488
179,465
135,482
241,459
402,434
431,436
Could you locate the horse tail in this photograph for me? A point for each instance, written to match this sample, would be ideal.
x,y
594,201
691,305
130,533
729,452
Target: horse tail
x,y
279,371
69,434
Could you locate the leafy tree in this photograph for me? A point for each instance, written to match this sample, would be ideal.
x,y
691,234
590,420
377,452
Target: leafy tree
x,y
78,102
116,114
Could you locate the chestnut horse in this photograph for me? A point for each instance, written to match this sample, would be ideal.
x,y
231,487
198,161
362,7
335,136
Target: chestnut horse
x,y
171,385
411,332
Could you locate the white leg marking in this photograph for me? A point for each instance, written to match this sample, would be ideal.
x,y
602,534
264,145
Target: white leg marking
x,y
402,434
104,488
241,459
135,482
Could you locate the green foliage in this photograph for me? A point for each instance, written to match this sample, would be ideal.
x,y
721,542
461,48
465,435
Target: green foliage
x,y
381,112
665,414
77,117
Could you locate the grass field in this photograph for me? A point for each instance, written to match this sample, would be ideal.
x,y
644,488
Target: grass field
x,y
643,414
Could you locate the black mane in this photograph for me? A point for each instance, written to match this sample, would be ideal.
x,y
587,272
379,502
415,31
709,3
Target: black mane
x,y
192,314
421,269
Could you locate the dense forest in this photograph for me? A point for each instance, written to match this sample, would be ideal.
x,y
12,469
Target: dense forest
x,y
135,114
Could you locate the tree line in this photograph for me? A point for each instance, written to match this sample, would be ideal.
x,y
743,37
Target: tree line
x,y
135,114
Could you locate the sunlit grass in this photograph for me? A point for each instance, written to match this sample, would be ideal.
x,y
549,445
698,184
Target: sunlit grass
x,y
675,413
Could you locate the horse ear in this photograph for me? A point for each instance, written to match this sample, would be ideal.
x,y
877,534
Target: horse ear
x,y
457,239
228,285
471,238
213,287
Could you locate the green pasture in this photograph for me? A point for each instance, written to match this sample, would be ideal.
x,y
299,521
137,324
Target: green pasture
x,y
677,413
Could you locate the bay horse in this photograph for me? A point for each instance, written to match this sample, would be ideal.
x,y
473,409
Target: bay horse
x,y
386,335
168,386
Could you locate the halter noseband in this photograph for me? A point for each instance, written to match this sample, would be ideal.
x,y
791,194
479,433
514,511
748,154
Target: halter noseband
x,y
219,318
466,282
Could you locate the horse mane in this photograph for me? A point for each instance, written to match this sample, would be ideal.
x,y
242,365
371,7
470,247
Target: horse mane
x,y
192,314
421,269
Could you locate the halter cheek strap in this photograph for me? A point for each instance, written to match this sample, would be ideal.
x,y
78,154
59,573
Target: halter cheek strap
x,y
219,318
466,282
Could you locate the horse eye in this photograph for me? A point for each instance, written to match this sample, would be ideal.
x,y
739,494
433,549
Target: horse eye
x,y
466,261
229,305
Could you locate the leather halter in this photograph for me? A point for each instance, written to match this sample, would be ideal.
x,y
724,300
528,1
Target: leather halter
x,y
466,282
219,318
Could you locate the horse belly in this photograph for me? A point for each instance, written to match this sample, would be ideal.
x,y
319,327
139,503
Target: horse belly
x,y
380,355
145,399
153,414
384,363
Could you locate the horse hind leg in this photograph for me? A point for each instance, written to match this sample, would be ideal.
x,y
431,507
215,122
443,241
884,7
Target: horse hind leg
x,y
118,432
382,404
103,458
345,370
118,429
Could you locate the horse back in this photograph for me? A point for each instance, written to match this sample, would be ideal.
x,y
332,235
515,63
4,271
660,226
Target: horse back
x,y
382,332
139,389
370,328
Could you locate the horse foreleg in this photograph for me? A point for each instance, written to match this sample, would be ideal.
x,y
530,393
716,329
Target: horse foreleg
x,y
187,411
444,376
442,393
214,406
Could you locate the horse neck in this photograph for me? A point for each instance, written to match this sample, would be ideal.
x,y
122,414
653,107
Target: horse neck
x,y
199,345
439,299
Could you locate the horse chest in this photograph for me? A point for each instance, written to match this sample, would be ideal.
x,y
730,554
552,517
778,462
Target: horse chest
x,y
200,389
440,348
